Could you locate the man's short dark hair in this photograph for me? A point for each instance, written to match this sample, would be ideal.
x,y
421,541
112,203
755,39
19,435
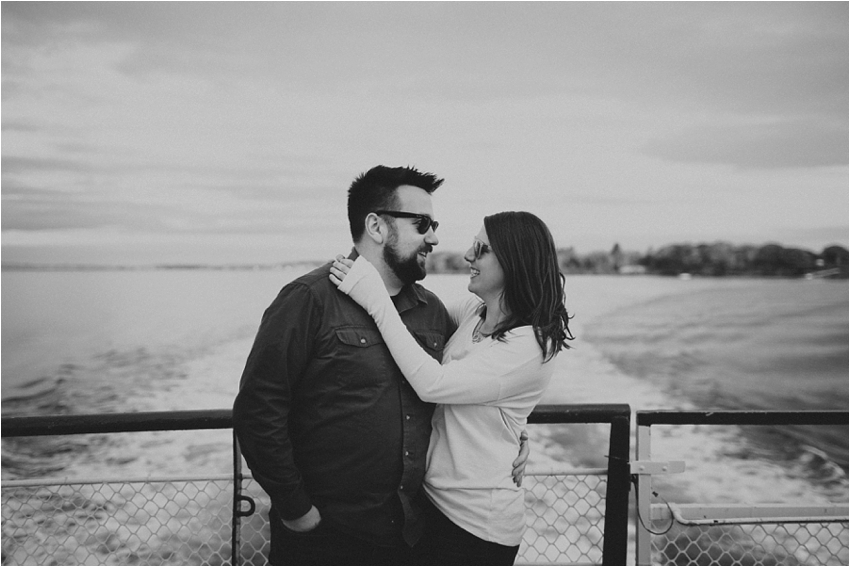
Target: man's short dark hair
x,y
376,190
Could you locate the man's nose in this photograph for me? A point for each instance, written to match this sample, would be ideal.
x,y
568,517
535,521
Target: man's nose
x,y
431,237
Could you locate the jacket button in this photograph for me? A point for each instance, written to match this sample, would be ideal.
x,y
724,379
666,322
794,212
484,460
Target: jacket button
x,y
362,341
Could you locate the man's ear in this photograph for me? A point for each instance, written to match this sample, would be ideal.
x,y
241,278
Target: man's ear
x,y
375,228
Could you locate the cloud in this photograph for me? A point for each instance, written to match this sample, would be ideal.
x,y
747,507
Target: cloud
x,y
18,126
777,145
744,56
33,208
254,117
16,165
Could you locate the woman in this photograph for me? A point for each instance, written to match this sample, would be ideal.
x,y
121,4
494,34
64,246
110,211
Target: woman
x,y
495,370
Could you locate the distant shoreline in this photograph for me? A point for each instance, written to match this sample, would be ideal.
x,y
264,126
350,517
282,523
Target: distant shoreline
x,y
306,266
22,267
718,259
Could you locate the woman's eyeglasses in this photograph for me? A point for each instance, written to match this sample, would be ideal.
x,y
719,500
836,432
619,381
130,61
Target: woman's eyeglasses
x,y
423,222
479,248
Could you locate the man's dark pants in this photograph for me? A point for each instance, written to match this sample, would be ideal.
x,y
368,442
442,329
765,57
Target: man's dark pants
x,y
326,545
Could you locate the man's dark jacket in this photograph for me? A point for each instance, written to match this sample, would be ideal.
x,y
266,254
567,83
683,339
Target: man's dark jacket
x,y
324,416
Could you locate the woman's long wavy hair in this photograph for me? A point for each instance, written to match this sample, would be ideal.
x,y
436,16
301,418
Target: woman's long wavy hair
x,y
534,284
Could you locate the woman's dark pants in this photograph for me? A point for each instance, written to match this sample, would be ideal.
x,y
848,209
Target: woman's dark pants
x,y
445,543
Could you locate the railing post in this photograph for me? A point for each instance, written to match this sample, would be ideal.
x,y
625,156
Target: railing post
x,y
615,543
236,522
643,538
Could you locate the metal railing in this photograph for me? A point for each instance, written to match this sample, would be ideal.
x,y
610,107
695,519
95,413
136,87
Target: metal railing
x,y
616,522
734,534
146,520
575,514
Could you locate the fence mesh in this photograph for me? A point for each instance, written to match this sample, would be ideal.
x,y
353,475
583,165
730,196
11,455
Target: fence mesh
x,y
189,523
118,523
254,532
566,520
810,543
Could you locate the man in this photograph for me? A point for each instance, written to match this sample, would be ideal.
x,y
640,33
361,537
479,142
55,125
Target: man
x,y
327,424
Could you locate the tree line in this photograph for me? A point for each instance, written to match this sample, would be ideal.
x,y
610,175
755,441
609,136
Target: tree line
x,y
715,259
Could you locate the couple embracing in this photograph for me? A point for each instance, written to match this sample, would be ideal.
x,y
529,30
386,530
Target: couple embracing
x,y
387,428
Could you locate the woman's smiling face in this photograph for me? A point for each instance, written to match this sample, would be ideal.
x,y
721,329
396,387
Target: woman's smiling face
x,y
487,279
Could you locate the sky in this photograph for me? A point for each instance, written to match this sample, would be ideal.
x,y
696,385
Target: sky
x,y
149,133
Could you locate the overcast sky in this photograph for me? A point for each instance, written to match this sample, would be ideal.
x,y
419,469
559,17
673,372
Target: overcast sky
x,y
229,132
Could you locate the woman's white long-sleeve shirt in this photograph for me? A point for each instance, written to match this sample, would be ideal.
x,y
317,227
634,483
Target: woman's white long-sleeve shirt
x,y
486,391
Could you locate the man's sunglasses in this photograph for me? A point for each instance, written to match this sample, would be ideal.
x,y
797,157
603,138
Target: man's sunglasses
x,y
479,248
423,222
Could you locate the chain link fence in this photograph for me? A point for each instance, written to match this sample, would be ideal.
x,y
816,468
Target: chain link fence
x,y
565,518
202,521
735,533
787,543
254,531
168,522
189,522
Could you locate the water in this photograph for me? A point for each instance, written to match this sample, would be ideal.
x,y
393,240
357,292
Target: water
x,y
112,341
739,344
749,344
91,342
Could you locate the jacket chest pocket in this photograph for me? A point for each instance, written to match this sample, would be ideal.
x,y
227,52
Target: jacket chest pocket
x,y
432,342
359,337
360,359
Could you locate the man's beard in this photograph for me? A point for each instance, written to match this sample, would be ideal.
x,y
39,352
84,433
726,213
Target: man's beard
x,y
408,270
